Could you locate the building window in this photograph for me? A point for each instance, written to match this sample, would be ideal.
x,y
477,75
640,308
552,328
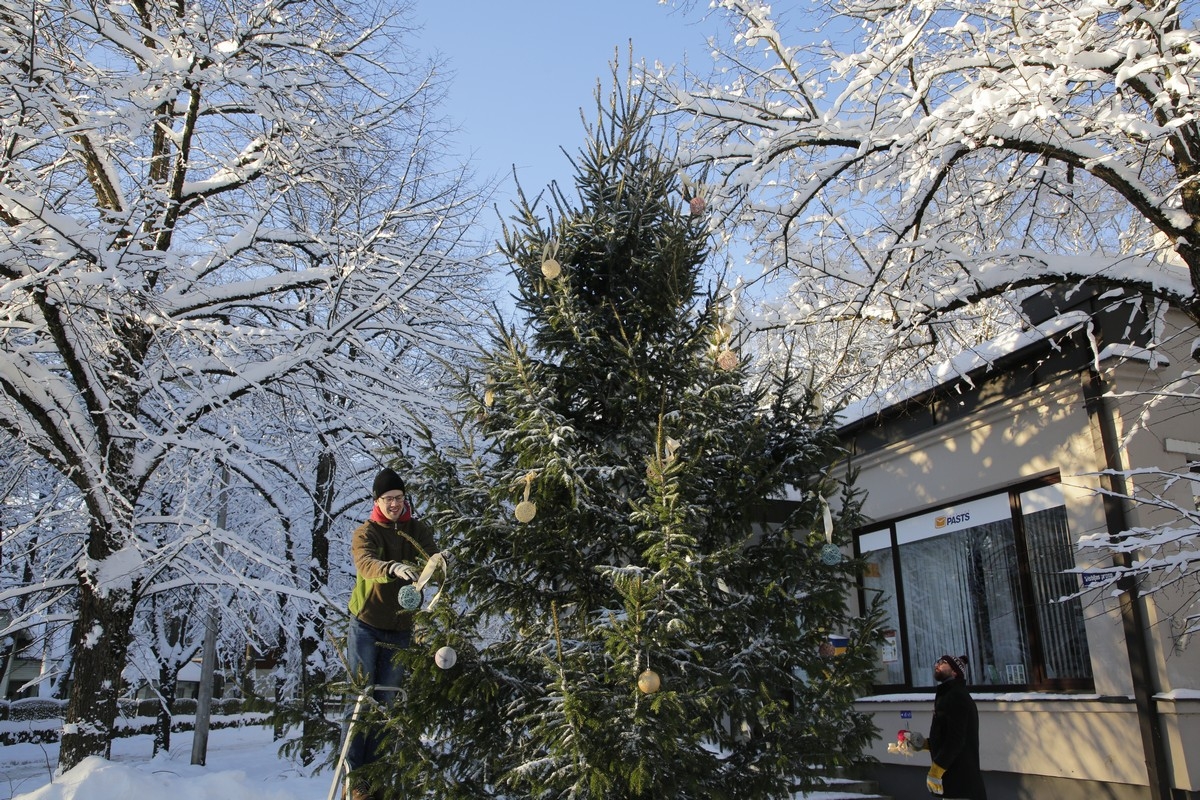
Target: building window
x,y
983,578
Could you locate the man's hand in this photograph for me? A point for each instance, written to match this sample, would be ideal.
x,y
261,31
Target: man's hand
x,y
402,572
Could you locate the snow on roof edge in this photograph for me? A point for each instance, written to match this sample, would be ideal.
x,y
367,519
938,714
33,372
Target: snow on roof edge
x,y
960,366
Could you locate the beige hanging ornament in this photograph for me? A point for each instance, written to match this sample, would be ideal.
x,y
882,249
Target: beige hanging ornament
x,y
551,269
489,397
526,510
693,195
727,360
649,682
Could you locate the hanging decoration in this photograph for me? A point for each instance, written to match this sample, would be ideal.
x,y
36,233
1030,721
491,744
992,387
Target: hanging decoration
x,y
649,682
526,510
693,195
436,562
445,657
831,554
410,597
489,397
551,269
727,359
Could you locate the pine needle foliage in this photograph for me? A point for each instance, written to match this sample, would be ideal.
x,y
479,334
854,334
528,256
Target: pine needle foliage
x,y
650,458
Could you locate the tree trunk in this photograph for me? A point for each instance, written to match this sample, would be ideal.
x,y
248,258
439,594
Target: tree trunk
x,y
168,689
313,676
105,623
1191,256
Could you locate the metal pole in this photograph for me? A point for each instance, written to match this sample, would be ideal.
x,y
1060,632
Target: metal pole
x,y
208,659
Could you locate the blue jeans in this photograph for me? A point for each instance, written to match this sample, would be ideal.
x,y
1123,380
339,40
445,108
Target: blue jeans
x,y
371,653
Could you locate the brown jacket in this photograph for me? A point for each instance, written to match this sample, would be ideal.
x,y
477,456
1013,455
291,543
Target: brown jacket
x,y
374,546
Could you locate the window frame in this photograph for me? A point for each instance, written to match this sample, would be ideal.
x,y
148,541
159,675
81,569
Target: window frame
x,y
1036,679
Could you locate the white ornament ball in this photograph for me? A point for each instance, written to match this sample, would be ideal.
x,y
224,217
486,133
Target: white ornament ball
x,y
445,657
649,682
551,269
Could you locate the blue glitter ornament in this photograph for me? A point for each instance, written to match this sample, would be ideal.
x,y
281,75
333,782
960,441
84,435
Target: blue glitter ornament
x,y
831,554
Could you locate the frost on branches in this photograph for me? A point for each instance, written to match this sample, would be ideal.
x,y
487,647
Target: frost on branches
x,y
218,224
910,175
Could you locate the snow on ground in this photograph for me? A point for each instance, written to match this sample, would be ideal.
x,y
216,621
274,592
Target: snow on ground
x,y
242,764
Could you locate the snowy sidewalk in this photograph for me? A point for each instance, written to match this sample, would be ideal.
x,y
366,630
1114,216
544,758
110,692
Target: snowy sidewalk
x,y
242,764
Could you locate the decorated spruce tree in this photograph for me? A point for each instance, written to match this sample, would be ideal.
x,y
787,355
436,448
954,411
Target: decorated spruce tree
x,y
632,616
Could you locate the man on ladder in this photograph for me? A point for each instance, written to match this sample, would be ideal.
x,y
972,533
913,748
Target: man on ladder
x,y
385,549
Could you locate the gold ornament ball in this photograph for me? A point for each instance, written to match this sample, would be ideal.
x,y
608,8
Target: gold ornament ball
x,y
551,269
525,511
445,657
649,682
489,397
727,360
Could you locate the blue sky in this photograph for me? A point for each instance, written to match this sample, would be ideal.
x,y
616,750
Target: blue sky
x,y
523,70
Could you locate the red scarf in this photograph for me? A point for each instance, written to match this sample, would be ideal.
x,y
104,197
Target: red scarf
x,y
379,517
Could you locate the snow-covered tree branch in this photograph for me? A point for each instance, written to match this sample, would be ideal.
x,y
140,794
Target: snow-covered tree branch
x,y
914,175
971,148
213,216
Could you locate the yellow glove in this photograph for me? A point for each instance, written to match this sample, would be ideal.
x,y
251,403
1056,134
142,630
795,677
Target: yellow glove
x,y
933,781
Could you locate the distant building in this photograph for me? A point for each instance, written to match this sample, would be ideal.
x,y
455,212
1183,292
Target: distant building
x,y
977,490
20,664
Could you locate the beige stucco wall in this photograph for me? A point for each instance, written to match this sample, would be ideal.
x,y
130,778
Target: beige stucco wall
x,y
1159,422
1057,736
1053,736
1181,734
1004,444
1093,737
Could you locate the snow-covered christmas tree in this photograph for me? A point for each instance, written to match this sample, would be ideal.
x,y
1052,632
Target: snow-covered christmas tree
x,y
629,620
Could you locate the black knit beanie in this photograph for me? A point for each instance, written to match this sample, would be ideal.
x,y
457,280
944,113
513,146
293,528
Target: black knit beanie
x,y
958,664
386,481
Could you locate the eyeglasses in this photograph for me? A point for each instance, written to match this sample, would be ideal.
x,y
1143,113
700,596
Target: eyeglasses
x,y
392,499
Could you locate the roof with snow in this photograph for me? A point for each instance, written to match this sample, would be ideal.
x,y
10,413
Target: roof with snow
x,y
965,367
